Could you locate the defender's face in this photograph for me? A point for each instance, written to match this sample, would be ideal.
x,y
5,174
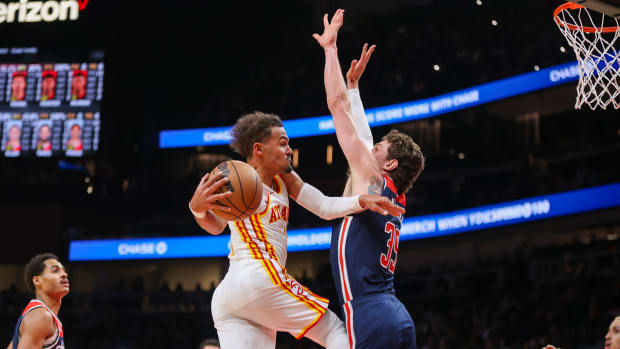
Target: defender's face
x,y
380,152
54,279
276,151
612,338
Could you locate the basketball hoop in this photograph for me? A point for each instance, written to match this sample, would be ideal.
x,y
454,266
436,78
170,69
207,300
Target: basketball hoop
x,y
596,45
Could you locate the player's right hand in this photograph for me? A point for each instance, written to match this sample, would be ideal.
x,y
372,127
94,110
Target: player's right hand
x,y
380,204
204,197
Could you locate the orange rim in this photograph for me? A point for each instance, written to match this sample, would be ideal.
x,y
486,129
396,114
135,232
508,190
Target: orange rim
x,y
573,6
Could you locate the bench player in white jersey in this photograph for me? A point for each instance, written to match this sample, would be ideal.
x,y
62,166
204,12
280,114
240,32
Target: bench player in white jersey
x,y
39,326
257,297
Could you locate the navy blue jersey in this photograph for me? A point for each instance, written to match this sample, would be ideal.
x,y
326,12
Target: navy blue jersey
x,y
363,254
364,250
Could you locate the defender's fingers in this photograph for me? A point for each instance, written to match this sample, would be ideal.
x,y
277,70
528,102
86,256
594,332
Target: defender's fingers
x,y
326,20
353,64
370,51
339,17
377,208
395,210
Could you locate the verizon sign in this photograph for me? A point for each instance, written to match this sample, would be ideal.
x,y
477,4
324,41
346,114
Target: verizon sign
x,y
25,11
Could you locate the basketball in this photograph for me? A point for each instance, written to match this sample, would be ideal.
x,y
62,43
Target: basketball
x,y
246,188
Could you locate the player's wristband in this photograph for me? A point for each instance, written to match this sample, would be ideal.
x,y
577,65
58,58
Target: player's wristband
x,y
196,214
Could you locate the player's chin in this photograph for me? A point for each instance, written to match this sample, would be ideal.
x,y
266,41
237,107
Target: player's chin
x,y
288,169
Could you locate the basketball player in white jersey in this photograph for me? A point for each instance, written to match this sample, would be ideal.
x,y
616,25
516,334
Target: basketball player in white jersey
x,y
257,297
39,326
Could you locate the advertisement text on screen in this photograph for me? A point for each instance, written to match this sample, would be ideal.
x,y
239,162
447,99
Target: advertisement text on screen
x,y
25,11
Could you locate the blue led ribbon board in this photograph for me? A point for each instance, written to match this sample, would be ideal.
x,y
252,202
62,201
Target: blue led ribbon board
x,y
395,113
420,227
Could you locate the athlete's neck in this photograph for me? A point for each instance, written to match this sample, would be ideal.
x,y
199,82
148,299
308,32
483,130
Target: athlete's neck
x,y
50,302
266,175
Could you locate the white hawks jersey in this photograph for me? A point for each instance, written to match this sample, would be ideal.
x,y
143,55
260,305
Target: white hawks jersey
x,y
263,235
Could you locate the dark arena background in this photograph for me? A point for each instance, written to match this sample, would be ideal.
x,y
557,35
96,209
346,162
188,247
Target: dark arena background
x,y
510,236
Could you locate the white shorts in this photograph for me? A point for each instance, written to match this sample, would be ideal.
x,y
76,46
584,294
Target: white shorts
x,y
256,299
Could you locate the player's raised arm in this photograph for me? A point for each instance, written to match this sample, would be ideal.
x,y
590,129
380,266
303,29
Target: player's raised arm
x,y
363,167
328,207
357,108
205,199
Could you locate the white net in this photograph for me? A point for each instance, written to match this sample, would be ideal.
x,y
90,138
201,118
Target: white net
x,y
596,40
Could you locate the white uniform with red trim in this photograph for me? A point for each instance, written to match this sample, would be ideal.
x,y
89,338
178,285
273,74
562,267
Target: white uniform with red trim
x,y
257,297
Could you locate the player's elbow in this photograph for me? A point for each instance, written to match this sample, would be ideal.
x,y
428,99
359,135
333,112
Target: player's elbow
x,y
338,102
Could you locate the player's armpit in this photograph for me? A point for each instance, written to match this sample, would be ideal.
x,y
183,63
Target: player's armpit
x,y
376,184
36,326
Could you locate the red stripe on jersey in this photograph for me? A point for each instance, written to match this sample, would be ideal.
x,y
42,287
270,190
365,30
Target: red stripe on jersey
x,y
341,258
400,198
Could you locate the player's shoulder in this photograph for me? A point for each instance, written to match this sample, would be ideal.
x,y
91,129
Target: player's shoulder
x,y
38,321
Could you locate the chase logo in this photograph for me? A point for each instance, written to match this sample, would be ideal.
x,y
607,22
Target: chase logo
x,y
161,248
142,248
26,11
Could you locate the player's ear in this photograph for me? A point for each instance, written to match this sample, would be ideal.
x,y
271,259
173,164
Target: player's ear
x,y
257,148
390,165
36,281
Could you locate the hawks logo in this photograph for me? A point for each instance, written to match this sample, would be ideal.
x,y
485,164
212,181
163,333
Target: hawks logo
x,y
41,11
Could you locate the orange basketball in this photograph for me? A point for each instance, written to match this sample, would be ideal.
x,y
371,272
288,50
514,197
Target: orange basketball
x,y
246,188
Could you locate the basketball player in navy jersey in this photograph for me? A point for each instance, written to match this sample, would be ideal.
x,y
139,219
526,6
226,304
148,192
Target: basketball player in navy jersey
x,y
39,326
364,247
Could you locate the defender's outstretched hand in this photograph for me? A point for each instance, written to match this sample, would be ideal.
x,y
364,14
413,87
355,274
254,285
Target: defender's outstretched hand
x,y
204,198
330,29
359,66
380,204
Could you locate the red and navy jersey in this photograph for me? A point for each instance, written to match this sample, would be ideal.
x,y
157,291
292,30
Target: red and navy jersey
x,y
364,250
56,341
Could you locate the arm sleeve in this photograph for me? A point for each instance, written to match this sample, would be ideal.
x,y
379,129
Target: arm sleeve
x,y
326,207
359,117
